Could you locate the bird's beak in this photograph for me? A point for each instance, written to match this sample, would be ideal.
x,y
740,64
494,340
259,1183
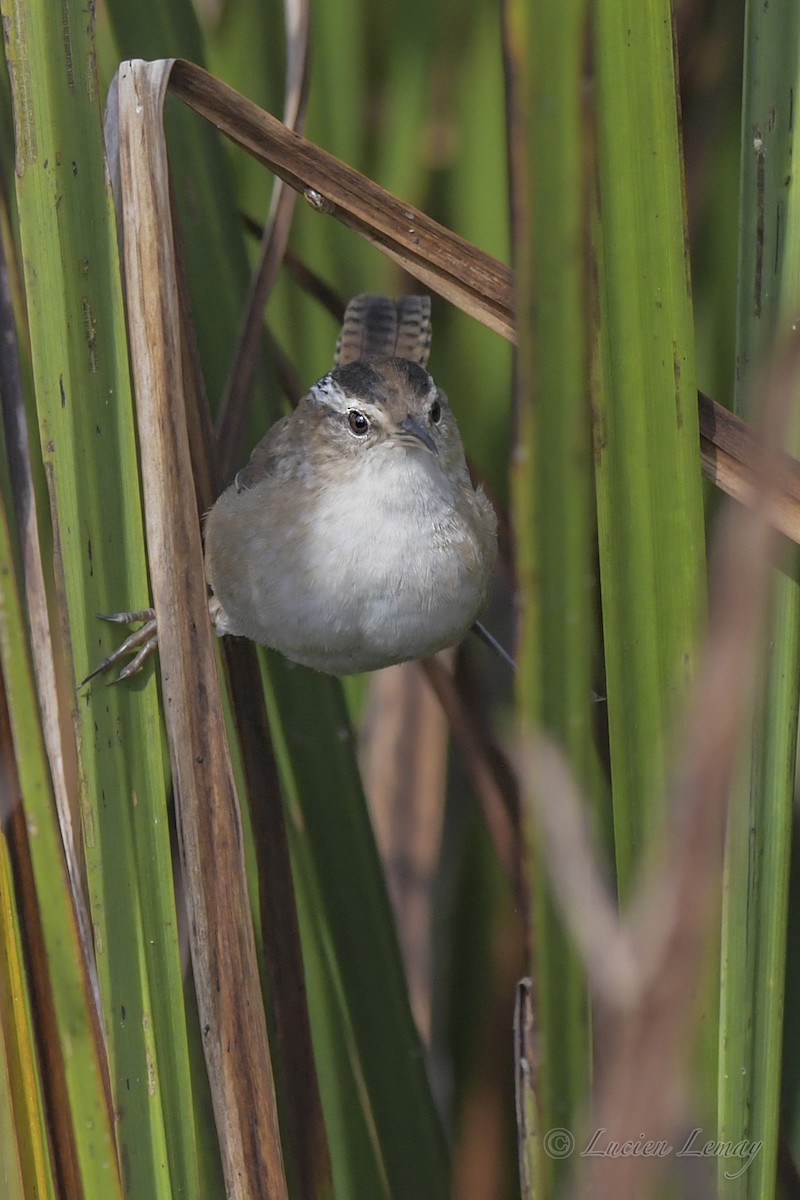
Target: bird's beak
x,y
410,428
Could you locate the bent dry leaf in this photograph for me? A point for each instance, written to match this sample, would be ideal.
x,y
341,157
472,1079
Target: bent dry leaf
x,y
223,945
373,977
449,265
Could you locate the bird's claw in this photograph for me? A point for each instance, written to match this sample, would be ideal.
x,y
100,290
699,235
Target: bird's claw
x,y
141,643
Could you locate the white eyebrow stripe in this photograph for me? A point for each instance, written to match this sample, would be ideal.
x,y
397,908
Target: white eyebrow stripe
x,y
329,394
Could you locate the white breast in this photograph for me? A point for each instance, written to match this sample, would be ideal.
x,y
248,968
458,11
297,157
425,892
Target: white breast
x,y
386,566
394,571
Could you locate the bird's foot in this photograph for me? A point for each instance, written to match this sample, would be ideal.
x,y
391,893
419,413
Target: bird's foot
x,y
141,643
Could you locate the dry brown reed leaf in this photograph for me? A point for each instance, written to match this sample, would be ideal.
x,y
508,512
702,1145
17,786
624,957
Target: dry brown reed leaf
x,y
731,451
450,266
403,750
615,972
302,1122
498,808
660,947
223,945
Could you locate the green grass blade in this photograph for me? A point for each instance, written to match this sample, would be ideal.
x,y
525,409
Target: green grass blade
x,y
83,399
356,1155
330,827
24,1152
68,985
472,363
759,837
552,495
202,177
649,501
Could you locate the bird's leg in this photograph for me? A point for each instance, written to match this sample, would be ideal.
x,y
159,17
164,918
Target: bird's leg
x,y
142,641
491,641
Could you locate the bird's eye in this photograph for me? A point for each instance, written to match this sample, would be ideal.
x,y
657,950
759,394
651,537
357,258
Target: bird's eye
x,y
357,422
436,412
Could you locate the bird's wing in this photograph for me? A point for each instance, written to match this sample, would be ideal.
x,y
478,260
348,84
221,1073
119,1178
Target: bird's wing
x,y
378,326
272,455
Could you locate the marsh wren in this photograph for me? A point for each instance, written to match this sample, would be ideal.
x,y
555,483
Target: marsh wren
x,y
354,538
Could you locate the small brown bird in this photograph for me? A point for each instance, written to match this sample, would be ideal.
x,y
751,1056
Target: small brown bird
x,y
354,537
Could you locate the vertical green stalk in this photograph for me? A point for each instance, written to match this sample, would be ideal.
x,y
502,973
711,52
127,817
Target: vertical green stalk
x,y
24,1145
649,501
67,983
552,497
83,399
759,835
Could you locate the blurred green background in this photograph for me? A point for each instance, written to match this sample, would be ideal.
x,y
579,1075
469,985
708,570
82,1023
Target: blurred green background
x,y
413,96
